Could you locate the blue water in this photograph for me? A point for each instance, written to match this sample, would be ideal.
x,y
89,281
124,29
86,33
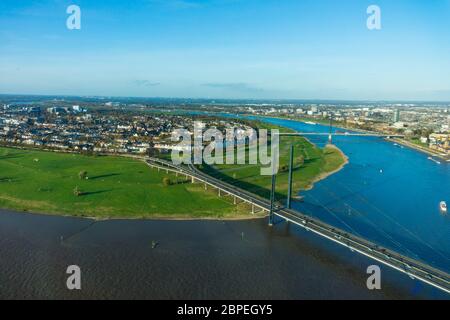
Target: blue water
x,y
387,193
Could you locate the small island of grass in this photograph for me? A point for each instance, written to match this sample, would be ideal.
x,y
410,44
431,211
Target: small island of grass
x,y
311,164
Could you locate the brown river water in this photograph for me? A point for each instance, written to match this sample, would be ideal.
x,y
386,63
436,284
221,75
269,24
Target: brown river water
x,y
192,260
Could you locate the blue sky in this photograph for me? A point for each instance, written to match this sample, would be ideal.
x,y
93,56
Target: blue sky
x,y
305,49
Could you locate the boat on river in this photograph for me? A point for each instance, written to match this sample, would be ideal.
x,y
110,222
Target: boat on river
x,y
443,206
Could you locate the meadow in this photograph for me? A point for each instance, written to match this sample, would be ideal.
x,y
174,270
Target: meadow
x,y
102,187
106,187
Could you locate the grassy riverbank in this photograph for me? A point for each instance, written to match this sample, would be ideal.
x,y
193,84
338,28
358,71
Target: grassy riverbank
x,y
114,187
108,187
311,164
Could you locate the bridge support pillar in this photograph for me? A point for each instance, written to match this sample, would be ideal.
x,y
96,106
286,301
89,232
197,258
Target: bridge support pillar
x,y
193,180
206,186
253,209
219,194
272,200
235,200
330,135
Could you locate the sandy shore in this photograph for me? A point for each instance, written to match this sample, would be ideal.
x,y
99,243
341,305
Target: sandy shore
x,y
420,149
154,217
325,175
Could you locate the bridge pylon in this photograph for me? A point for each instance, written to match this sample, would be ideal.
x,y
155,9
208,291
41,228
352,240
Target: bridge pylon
x,y
272,199
330,135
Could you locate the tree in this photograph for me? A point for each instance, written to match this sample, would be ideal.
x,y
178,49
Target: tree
x,y
166,182
77,192
82,175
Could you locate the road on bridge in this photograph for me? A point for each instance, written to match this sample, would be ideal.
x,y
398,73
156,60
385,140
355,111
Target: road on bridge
x,y
413,268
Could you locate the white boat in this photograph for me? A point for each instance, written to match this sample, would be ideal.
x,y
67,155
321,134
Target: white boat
x,y
443,206
310,122
434,160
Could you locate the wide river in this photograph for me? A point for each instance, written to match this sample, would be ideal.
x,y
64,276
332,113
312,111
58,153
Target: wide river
x,y
386,193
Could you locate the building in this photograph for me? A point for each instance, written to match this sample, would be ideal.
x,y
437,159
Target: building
x,y
423,139
56,110
396,115
34,111
440,142
398,125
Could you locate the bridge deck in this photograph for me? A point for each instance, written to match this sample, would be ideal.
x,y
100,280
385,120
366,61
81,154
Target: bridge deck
x,y
413,268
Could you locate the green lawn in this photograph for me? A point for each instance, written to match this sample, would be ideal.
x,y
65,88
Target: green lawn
x,y
310,164
116,187
417,141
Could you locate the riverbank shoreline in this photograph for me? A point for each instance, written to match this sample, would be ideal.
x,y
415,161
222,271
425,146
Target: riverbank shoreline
x,y
420,149
313,122
395,140
136,218
323,176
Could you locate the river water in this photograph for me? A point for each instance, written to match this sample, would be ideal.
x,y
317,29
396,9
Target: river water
x,y
386,193
193,260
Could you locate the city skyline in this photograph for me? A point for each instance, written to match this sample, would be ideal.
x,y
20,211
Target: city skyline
x,y
223,49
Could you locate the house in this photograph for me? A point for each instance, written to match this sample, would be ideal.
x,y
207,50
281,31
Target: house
x,y
440,142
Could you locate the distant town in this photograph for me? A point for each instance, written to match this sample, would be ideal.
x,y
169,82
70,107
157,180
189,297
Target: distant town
x,y
424,126
97,125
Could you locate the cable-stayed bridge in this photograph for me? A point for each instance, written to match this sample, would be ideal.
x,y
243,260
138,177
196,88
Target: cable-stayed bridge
x,y
411,267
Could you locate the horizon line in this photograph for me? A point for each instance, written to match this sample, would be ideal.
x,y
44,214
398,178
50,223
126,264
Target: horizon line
x,y
234,99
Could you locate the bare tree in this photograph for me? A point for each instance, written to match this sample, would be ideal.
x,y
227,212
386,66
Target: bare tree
x,y
77,192
82,175
166,182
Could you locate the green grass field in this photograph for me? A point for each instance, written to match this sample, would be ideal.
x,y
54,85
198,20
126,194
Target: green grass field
x,y
119,187
44,182
311,163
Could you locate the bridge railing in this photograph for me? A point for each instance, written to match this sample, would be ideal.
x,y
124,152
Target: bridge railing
x,y
411,267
